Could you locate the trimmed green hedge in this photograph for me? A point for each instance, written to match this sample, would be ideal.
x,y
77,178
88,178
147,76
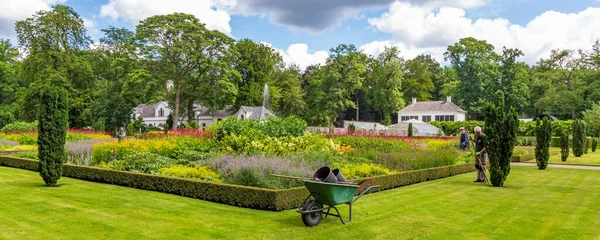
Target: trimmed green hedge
x,y
242,196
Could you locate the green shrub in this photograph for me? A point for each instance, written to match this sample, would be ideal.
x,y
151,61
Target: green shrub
x,y
193,125
564,145
501,126
375,143
52,133
196,172
259,129
191,156
543,133
351,128
6,117
20,126
143,162
586,145
27,154
410,130
361,170
408,160
594,144
578,137
453,128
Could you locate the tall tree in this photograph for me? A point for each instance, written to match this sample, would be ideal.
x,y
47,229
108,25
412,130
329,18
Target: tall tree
x,y
172,40
501,126
385,83
418,79
291,102
592,118
476,65
567,94
56,41
257,64
331,86
512,85
52,129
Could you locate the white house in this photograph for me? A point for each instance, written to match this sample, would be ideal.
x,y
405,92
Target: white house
x,y
153,115
432,111
157,114
253,113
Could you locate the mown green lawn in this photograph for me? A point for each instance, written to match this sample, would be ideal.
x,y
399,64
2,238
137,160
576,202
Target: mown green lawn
x,y
550,204
592,158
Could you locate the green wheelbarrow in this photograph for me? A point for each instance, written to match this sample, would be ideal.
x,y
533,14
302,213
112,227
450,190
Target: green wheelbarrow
x,y
329,194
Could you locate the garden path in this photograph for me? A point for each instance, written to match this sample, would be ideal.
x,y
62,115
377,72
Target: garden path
x,y
557,165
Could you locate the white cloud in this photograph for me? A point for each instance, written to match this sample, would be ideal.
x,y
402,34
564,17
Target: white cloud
x,y
297,54
16,10
424,29
209,12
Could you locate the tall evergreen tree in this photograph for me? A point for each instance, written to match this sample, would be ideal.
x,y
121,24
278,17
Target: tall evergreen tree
x,y
501,126
52,132
578,137
543,135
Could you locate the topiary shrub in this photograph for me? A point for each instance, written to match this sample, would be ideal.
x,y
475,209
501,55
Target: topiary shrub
x,y
586,145
543,134
594,144
501,127
578,137
52,133
351,128
410,130
564,145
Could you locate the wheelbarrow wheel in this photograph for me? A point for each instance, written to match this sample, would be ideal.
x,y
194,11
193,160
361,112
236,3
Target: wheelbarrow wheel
x,y
314,218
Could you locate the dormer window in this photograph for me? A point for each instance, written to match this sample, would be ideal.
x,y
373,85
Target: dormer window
x,y
161,113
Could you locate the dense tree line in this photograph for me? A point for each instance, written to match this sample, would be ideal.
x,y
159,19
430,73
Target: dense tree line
x,y
106,79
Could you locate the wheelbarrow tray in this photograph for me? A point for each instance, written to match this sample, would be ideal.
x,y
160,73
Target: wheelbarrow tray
x,y
331,193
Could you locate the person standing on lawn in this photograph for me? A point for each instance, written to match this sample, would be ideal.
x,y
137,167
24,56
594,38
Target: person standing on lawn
x,y
480,155
464,139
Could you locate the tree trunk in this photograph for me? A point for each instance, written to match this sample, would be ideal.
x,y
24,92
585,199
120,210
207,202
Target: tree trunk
x,y
190,112
176,110
357,107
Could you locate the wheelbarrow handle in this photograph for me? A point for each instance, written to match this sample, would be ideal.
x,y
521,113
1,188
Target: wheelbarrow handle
x,y
363,193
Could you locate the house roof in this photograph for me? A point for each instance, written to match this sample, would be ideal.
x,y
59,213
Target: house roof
x,y
259,112
205,112
434,106
148,110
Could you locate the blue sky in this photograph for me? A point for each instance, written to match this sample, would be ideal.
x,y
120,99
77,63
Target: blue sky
x,y
415,26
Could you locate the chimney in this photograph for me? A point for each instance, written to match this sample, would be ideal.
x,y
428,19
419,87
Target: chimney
x,y
448,99
414,100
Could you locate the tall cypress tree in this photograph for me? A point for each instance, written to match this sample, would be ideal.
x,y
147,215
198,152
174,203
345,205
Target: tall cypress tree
x,y
564,145
410,130
543,134
578,137
52,133
501,127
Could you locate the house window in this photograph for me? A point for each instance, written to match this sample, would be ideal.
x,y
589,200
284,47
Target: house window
x,y
444,118
406,118
161,113
218,119
426,118
242,116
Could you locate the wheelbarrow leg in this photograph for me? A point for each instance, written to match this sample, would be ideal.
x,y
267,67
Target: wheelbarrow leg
x,y
340,216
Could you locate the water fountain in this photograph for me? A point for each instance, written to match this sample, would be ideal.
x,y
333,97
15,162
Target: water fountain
x,y
265,102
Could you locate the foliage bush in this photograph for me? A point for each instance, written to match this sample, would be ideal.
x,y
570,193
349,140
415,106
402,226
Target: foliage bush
x,y
258,129
453,128
166,147
410,129
373,142
196,172
31,137
20,126
543,134
361,170
409,160
193,125
586,145
594,144
501,127
52,130
564,146
6,117
578,137
143,162
28,155
351,128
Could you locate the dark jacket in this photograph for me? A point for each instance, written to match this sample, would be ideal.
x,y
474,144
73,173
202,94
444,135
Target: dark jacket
x,y
464,139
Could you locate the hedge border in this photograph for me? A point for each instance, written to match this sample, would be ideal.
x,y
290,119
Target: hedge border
x,y
527,157
242,196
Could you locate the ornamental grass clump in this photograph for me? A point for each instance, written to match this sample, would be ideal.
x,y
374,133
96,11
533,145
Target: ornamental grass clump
x,y
543,135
